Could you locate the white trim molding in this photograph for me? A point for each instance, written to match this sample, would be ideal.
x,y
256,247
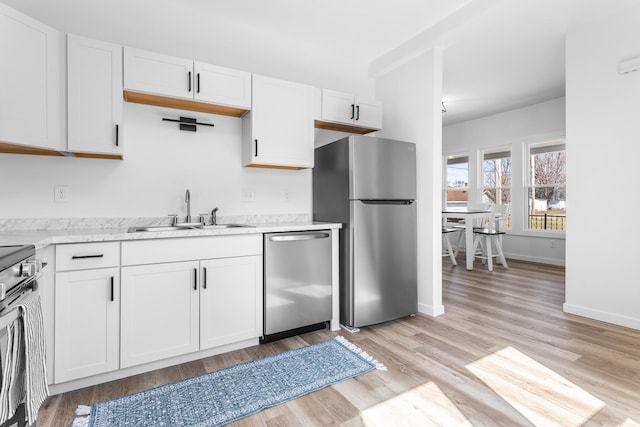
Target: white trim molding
x,y
603,316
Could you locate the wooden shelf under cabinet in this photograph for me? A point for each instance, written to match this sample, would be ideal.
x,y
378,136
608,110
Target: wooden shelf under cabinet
x,y
20,149
342,127
182,104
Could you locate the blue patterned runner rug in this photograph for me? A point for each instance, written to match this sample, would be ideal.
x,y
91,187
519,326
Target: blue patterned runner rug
x,y
223,396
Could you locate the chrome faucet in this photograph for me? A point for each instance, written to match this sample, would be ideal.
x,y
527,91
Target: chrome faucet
x,y
187,199
214,219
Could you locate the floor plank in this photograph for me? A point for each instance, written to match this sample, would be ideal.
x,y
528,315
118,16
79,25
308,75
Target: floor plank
x,y
504,353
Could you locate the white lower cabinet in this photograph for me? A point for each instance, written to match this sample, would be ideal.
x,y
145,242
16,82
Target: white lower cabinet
x,y
230,300
173,306
118,305
87,320
159,312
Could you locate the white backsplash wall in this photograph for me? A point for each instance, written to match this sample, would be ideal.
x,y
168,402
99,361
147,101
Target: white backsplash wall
x,y
160,163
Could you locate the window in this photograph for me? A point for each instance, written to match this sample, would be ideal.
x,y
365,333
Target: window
x,y
496,180
457,181
547,194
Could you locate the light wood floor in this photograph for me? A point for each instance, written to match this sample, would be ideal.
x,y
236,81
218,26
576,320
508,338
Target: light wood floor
x,y
504,353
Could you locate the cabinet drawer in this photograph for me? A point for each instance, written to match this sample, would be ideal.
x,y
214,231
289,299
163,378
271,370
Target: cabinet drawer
x,y
190,248
87,255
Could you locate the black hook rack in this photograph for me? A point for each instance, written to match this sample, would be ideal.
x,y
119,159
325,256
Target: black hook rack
x,y
187,123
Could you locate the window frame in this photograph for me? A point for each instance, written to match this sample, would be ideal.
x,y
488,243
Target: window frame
x,y
460,157
496,153
530,149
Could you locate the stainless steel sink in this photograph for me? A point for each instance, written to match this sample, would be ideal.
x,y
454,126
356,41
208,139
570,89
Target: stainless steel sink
x,y
160,228
156,228
222,226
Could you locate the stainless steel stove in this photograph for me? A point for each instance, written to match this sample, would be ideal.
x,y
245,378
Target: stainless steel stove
x,y
18,270
18,276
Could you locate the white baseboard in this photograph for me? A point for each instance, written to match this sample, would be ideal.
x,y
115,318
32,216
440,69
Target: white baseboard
x,y
138,369
603,316
430,310
539,260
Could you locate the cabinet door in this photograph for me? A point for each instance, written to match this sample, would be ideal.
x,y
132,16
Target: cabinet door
x,y
279,129
230,300
94,88
29,86
222,86
157,74
87,319
368,113
159,312
338,107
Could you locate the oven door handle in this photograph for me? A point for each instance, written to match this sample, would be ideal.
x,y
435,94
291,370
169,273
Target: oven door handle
x,y
9,317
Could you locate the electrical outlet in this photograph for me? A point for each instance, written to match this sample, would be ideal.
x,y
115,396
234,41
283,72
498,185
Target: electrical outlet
x,y
553,244
248,195
286,194
60,193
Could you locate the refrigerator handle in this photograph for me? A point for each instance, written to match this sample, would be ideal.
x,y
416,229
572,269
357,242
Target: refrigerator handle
x,y
387,202
295,237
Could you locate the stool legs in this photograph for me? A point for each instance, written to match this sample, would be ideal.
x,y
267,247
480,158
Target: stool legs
x,y
448,249
486,246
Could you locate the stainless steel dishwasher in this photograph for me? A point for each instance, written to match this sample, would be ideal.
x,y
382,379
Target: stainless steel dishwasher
x,y
297,283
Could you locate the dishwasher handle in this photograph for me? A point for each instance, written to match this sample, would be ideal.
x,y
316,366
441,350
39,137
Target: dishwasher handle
x,y
298,236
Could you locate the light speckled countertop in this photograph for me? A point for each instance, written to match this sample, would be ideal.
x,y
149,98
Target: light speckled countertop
x,y
43,238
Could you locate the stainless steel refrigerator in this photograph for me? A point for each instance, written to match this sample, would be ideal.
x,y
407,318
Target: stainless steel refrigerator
x,y
369,185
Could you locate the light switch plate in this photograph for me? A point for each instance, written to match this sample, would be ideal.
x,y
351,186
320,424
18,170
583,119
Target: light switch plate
x,y
61,193
248,195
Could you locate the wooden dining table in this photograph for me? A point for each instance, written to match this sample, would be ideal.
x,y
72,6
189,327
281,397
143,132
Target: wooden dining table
x,y
469,215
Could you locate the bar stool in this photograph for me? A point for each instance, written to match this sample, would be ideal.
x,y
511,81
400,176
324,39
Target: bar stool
x,y
447,249
490,237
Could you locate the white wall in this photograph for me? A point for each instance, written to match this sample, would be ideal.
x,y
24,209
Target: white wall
x,y
207,37
160,163
603,124
513,129
411,95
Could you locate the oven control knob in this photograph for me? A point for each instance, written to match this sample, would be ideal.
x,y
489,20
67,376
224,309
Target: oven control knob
x,y
17,270
28,269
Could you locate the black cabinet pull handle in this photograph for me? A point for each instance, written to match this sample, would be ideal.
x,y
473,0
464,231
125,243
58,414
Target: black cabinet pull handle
x,y
87,256
204,277
195,279
189,82
357,112
256,148
117,135
112,296
353,111
198,83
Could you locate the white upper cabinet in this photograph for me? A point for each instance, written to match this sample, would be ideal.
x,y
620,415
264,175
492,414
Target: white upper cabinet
x,y
168,81
30,98
158,74
360,115
223,86
278,132
94,96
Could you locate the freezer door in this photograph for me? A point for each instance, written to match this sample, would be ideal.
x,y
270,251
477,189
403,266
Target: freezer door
x,y
384,274
297,280
382,169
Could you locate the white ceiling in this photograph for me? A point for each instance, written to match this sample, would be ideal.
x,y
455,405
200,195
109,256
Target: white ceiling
x,y
507,54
